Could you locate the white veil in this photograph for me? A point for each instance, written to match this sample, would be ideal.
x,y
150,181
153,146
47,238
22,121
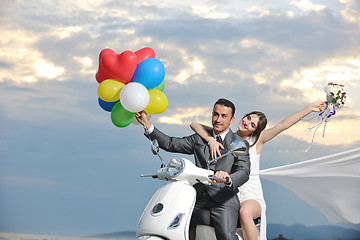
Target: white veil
x,y
330,184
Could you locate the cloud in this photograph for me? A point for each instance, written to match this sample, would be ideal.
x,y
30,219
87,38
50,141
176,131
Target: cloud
x,y
50,103
65,32
48,70
306,5
208,12
350,15
277,57
184,116
19,55
334,130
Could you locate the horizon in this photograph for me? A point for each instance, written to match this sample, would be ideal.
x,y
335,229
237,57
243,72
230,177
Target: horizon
x,y
126,234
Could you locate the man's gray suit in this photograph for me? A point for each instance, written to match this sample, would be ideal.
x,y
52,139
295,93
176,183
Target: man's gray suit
x,y
225,216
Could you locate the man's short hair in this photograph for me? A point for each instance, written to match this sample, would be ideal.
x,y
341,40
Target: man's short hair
x,y
226,103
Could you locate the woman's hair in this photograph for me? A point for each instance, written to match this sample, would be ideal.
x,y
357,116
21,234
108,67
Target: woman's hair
x,y
260,127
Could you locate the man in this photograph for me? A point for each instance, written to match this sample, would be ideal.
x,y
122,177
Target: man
x,y
219,198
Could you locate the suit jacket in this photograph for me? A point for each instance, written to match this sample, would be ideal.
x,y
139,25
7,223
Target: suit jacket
x,y
237,167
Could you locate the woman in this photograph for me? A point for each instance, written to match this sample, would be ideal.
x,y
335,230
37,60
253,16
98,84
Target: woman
x,y
251,128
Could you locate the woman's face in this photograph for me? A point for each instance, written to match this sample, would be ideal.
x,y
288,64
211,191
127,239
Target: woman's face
x,y
248,124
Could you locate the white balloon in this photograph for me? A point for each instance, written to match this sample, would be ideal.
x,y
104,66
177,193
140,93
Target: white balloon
x,y
134,97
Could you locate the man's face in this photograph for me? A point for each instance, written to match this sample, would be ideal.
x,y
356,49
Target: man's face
x,y
221,118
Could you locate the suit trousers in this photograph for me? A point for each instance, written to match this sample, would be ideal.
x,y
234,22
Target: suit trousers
x,y
209,212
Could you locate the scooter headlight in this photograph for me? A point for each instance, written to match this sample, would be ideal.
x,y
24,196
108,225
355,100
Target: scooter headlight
x,y
175,167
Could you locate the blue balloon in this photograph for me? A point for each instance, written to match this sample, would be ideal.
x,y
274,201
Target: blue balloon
x,y
150,73
107,106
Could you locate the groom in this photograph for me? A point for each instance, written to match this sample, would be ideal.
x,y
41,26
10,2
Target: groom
x,y
220,197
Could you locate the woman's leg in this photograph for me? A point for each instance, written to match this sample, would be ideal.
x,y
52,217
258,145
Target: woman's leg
x,y
249,210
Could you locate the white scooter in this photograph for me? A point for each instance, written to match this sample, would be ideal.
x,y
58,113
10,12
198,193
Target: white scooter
x,y
168,213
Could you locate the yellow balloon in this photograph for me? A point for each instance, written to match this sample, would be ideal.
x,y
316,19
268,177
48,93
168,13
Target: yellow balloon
x,y
109,90
157,103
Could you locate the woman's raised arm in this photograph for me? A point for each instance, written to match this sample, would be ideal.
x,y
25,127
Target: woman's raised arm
x,y
291,120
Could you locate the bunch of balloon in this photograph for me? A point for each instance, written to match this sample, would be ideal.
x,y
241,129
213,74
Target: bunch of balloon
x,y
130,82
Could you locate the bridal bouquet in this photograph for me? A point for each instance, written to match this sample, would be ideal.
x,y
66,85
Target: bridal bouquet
x,y
336,98
335,94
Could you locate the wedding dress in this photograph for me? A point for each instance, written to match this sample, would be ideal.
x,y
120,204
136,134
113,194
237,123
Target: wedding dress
x,y
252,189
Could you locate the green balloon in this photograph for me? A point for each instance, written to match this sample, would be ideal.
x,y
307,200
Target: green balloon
x,y
161,86
120,116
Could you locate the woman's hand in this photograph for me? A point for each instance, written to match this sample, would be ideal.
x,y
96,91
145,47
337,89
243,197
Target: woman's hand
x,y
215,149
318,106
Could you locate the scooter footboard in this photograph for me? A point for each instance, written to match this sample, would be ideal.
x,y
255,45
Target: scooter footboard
x,y
204,232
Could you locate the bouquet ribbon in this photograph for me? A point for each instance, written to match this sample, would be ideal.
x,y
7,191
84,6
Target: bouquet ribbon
x,y
323,118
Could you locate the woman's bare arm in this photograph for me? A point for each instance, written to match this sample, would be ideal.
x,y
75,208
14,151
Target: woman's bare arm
x,y
289,121
204,134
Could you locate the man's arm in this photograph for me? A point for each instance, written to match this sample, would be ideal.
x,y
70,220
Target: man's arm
x,y
171,144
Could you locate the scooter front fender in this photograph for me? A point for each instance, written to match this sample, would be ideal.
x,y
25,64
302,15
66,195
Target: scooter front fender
x,y
150,238
169,212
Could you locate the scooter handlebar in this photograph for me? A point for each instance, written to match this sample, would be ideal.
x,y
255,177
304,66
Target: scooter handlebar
x,y
149,175
226,180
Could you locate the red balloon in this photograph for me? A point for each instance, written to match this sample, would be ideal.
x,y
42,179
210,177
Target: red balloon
x,y
144,53
120,66
101,74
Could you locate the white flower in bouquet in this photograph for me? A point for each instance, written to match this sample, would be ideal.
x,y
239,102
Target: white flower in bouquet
x,y
335,94
336,97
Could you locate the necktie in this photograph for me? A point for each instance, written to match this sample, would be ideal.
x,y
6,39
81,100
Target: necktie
x,y
218,138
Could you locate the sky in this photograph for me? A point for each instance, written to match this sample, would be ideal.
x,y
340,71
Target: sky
x,y
66,169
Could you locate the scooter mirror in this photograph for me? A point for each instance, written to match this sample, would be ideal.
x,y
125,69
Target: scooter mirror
x,y
155,147
155,150
237,147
